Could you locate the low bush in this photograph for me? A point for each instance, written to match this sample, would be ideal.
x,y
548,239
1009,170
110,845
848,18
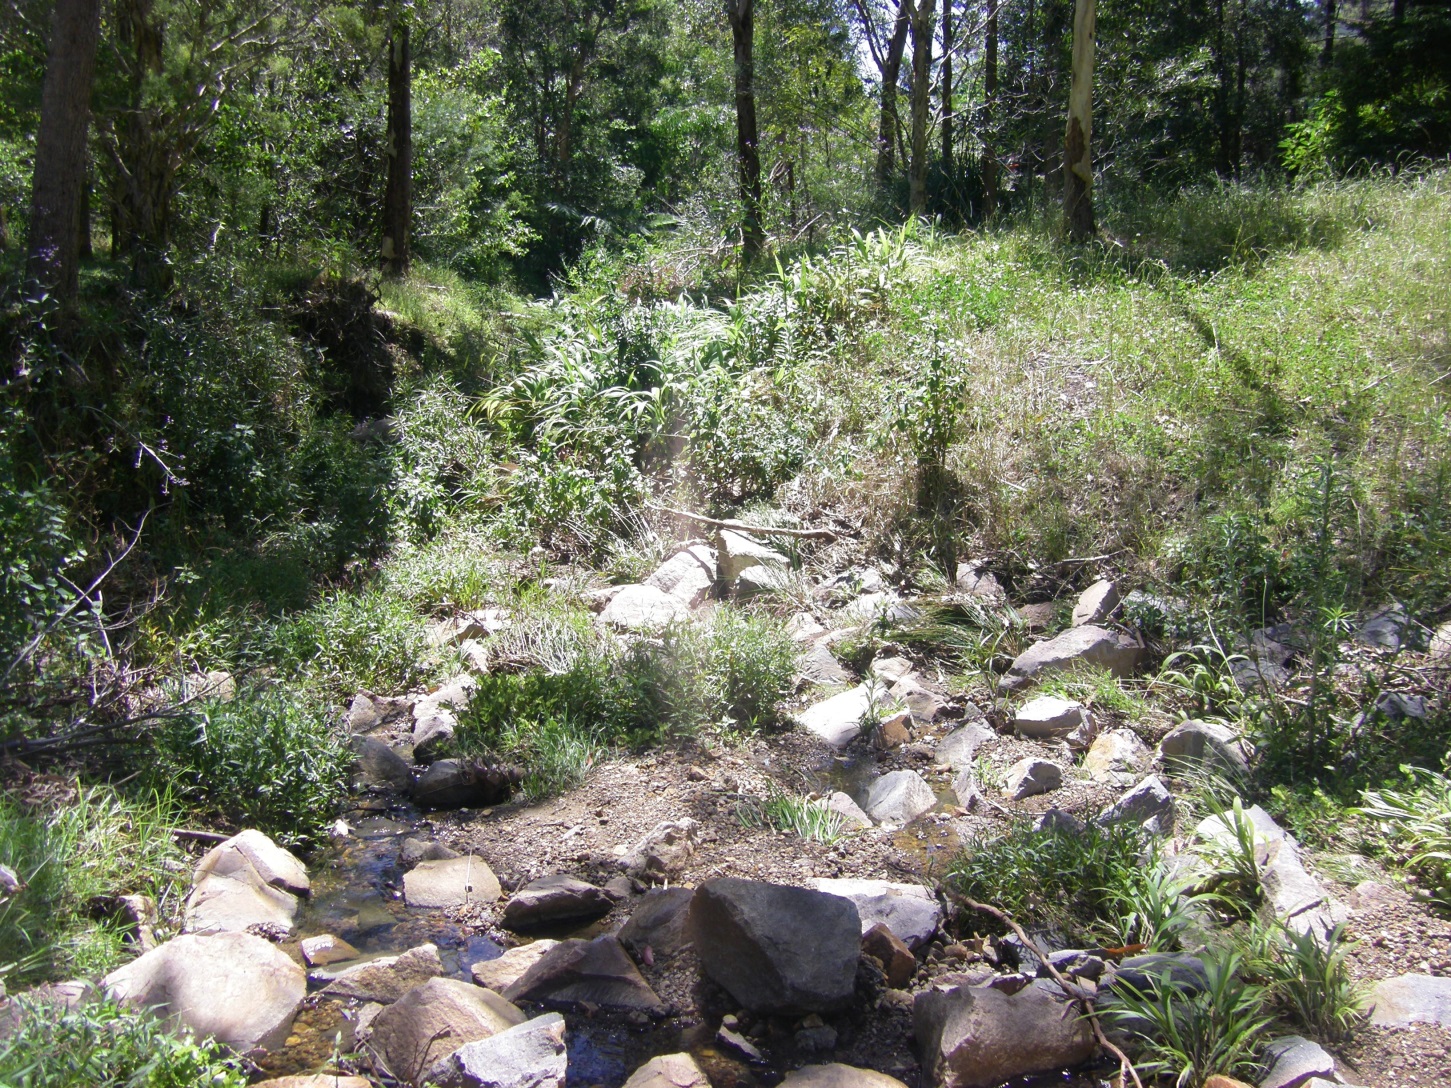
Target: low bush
x,y
1307,979
102,1045
265,760
1416,823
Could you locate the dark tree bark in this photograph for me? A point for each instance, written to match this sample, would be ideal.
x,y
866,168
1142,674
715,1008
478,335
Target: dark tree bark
x,y
398,193
57,185
84,249
742,16
147,156
1327,51
1078,140
889,62
989,104
947,87
921,13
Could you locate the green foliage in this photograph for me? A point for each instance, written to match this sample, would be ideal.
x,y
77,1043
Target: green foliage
x,y
1190,1036
100,843
1307,979
346,641
1416,820
265,760
103,1045
811,820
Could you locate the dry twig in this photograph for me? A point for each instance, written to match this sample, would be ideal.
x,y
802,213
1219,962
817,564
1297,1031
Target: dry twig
x,y
755,530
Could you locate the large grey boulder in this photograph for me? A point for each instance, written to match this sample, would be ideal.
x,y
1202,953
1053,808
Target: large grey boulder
x,y
1048,717
777,949
452,882
910,911
755,581
368,712
1030,777
643,608
899,798
1096,603
233,987
247,880
554,899
386,978
1386,628
669,1071
531,1055
852,816
739,553
838,720
1296,897
434,1020
574,973
1194,743
979,1037
658,923
1411,999
687,576
1117,758
1089,644
431,735
503,971
837,1075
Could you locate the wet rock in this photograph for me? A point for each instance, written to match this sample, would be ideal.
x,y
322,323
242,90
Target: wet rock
x,y
1092,645
462,783
500,973
977,1037
531,1055
687,576
1411,999
233,987
739,553
838,720
777,949
1030,777
854,819
818,665
893,732
664,851
734,1041
431,735
908,910
1117,757
415,850
1148,804
452,882
246,881
575,973
959,748
668,1071
643,608
387,978
659,923
899,798
1195,743
1096,603
379,765
368,712
324,949
1385,629
898,963
1291,1060
435,1019
552,900
1050,718
836,1075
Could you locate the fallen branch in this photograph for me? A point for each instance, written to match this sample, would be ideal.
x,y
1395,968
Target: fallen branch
x,y
204,836
742,527
1072,989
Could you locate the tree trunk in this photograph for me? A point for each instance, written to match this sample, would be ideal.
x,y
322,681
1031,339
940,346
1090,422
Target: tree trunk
x,y
52,249
146,162
1077,142
989,102
887,129
742,15
398,194
921,85
84,249
1327,51
947,88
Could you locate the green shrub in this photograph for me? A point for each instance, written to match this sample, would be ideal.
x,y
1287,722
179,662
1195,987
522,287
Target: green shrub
x,y
1307,978
265,760
1416,820
99,843
346,641
102,1045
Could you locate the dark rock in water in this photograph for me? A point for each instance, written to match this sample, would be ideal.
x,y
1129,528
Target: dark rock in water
x,y
777,949
554,899
456,783
659,923
598,972
379,765
978,1037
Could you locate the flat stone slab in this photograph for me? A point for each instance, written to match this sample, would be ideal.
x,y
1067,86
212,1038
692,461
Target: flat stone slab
x,y
838,720
1292,1059
1411,999
1090,644
502,972
643,608
909,910
451,882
